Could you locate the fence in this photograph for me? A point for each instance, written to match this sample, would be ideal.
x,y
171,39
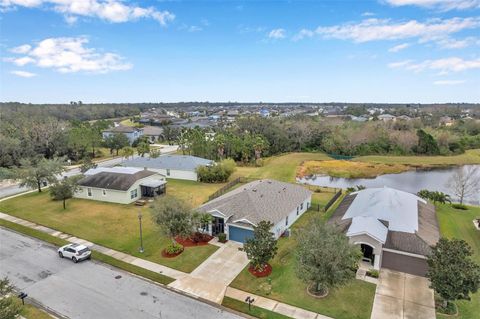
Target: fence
x,y
227,187
340,157
333,200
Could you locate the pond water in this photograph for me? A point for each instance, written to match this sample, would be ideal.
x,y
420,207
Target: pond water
x,y
410,181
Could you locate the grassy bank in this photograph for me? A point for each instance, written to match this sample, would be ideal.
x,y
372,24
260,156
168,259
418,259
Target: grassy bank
x,y
458,224
162,279
469,157
349,169
254,311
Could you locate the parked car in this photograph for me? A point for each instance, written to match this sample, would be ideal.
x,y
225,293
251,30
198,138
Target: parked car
x,y
75,252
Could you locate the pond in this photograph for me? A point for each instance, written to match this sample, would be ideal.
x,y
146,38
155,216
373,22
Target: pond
x,y
410,181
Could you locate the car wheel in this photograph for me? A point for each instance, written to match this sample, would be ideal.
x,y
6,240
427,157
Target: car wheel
x,y
74,260
60,254
89,257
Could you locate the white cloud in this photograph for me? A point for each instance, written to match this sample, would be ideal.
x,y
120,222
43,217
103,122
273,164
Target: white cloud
x,y
450,43
277,34
21,49
444,5
449,82
302,34
443,66
115,11
399,47
368,14
69,55
23,74
190,28
385,29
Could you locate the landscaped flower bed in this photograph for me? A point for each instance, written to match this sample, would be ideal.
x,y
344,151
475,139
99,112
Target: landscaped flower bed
x,y
197,239
267,270
172,250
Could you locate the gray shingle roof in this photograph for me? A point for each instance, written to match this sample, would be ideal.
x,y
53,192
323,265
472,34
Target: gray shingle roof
x,y
175,162
116,181
259,200
122,129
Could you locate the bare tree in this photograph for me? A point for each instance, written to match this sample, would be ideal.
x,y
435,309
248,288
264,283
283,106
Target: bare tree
x,y
465,182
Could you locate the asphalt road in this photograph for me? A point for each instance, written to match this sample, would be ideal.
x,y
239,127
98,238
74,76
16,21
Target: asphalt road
x,y
90,289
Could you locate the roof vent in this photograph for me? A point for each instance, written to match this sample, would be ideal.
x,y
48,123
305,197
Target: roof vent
x,y
254,190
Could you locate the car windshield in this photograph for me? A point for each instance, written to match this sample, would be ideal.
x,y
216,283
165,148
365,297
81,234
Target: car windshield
x,y
84,250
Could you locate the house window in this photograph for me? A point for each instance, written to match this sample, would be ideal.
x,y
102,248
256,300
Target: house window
x,y
104,192
89,192
168,172
298,210
133,194
286,221
301,206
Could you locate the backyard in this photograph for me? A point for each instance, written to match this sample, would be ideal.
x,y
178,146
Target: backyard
x,y
114,225
351,301
458,224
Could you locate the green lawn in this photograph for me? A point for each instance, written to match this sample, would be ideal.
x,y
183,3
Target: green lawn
x,y
458,224
114,225
469,157
254,311
354,300
32,312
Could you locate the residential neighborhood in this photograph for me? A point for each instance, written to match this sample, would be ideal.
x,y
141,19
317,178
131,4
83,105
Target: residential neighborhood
x,y
239,159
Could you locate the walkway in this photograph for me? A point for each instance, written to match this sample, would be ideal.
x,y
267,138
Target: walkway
x,y
211,278
107,251
273,305
402,296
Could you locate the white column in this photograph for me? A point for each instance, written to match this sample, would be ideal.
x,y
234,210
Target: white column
x,y
376,262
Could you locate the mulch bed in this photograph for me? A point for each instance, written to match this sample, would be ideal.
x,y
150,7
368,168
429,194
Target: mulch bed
x,y
167,255
266,271
189,242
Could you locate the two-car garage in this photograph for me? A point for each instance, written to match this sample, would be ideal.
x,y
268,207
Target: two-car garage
x,y
239,234
404,263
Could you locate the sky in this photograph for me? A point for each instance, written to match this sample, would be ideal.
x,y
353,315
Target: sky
x,y
383,51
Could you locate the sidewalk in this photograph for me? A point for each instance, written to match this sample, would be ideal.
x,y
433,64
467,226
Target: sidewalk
x,y
273,305
175,274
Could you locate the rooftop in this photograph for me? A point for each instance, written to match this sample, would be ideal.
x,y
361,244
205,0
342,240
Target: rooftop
x,y
115,179
175,162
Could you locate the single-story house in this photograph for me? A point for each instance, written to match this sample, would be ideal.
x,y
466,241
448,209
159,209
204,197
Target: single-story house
x,y
172,166
238,211
153,133
122,185
395,229
132,133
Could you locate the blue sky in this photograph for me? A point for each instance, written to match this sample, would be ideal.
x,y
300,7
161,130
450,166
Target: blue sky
x,y
55,51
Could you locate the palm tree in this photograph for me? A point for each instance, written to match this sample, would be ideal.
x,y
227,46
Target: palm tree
x,y
259,145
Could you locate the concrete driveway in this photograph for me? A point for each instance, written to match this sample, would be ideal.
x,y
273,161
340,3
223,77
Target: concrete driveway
x,y
211,278
402,296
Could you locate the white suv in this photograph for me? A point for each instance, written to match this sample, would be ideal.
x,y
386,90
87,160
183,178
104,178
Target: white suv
x,y
75,252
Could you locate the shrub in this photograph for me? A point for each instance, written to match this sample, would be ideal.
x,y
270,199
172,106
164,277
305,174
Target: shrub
x,y
373,273
222,237
460,206
216,173
173,249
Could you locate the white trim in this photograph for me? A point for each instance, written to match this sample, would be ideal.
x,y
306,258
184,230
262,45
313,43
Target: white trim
x,y
244,220
363,243
368,234
404,253
238,226
217,213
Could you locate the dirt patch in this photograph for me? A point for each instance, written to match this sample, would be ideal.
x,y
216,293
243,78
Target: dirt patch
x,y
267,270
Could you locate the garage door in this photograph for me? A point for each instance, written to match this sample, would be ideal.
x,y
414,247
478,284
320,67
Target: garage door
x,y
403,263
239,234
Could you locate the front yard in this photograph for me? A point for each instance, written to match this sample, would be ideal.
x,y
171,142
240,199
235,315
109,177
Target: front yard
x,y
114,225
352,301
458,224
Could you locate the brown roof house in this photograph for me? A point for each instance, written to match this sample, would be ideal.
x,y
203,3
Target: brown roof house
x,y
395,229
237,212
122,185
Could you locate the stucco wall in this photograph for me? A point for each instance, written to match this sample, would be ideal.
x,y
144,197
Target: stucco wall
x,y
280,227
176,174
132,137
365,239
115,196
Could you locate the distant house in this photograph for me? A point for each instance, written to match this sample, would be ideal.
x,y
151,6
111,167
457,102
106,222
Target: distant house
x,y
237,212
446,120
122,185
153,133
172,166
264,113
404,118
386,117
394,229
132,133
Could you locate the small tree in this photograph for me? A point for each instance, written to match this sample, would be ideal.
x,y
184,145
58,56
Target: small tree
x,y
64,189
262,247
87,164
9,308
465,182
143,148
155,153
127,152
426,144
116,142
325,258
34,174
452,272
174,217
434,196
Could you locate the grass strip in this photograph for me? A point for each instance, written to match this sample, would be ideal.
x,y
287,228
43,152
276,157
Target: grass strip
x,y
255,311
162,279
